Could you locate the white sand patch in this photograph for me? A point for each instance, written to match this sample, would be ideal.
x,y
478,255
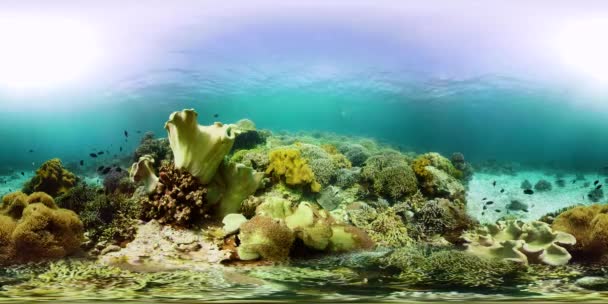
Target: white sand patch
x,y
539,203
14,182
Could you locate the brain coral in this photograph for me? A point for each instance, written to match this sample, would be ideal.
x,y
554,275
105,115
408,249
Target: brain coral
x,y
33,228
51,178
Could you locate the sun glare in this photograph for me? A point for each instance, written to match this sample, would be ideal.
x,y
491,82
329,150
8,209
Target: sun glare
x,y
583,47
45,53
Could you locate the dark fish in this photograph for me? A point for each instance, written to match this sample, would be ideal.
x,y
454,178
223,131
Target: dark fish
x,y
31,151
502,190
126,133
596,182
22,173
118,169
497,210
121,148
494,183
138,131
598,187
483,213
106,170
485,198
93,155
525,210
100,153
100,168
489,202
82,162
528,192
216,115
485,207
573,181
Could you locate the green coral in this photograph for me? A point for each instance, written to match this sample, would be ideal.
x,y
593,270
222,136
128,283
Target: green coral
x,y
389,175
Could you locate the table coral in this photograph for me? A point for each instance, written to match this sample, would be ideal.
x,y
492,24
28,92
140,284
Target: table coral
x,y
51,178
520,242
33,228
290,164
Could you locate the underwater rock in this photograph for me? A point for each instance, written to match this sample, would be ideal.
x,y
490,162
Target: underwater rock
x,y
589,224
517,205
198,149
526,185
118,182
560,183
143,171
166,248
289,163
389,176
356,153
520,242
158,148
51,178
179,199
543,185
33,228
329,198
593,283
235,182
347,177
596,195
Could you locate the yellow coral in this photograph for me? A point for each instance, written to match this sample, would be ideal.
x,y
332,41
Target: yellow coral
x,y
329,148
589,225
290,164
51,178
419,166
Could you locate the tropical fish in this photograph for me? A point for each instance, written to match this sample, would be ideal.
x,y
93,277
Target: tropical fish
x,y
126,133
598,187
496,210
483,213
100,153
596,182
485,207
93,155
528,191
138,131
216,115
494,183
22,173
502,190
483,199
121,148
31,151
489,202
82,162
573,181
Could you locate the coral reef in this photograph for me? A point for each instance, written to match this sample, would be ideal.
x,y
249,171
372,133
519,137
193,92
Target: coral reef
x,y
33,228
290,164
198,149
143,171
389,175
158,148
384,226
346,178
235,182
179,199
520,242
51,178
438,177
460,164
442,217
256,158
118,181
543,185
356,153
589,225
265,237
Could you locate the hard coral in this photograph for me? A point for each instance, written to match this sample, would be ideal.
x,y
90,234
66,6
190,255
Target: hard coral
x,y
179,199
290,164
265,237
51,178
390,176
198,149
589,225
438,177
442,217
32,228
158,148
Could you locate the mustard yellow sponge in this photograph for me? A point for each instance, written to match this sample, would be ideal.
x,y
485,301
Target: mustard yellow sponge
x,y
51,178
290,164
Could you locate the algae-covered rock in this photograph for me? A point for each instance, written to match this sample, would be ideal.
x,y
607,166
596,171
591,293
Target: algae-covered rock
x,y
198,149
520,242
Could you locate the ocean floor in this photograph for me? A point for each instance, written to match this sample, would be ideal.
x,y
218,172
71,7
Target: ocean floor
x,y
538,204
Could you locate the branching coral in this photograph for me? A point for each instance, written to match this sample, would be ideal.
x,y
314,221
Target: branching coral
x,y
520,242
389,175
51,178
384,226
290,164
33,228
589,224
198,149
177,199
442,217
158,148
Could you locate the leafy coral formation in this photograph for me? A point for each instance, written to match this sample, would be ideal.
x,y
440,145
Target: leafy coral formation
x,y
33,228
51,178
520,242
236,182
290,164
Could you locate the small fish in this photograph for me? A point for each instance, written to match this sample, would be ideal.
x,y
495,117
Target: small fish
x,y
93,155
528,192
216,115
496,210
573,181
483,213
138,131
598,187
126,133
31,151
82,162
22,173
120,148
485,198
525,210
100,168
596,182
502,190
485,207
118,169
100,153
106,170
489,202
494,183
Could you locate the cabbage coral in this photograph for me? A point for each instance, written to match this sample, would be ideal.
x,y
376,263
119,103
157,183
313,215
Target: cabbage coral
x,y
198,149
51,178
143,171
236,182
33,228
290,164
